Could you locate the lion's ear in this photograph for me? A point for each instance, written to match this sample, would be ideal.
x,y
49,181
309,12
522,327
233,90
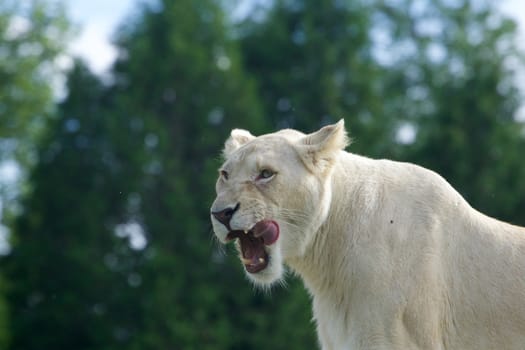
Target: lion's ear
x,y
319,149
238,137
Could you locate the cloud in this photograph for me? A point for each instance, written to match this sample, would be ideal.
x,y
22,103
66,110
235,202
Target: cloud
x,y
95,47
98,20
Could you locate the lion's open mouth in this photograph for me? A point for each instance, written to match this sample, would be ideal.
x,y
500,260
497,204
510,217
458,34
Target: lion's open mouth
x,y
252,243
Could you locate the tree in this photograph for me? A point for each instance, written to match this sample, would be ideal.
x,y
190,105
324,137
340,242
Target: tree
x,y
462,98
68,273
113,246
183,74
34,34
316,66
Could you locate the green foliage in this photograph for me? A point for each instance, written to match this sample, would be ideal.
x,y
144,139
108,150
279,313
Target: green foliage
x,y
113,248
5,333
462,98
67,288
316,66
192,94
32,35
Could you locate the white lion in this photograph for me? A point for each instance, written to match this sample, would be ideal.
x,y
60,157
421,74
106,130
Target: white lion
x,y
392,255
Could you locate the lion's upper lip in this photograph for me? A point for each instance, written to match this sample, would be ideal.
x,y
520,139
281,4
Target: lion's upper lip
x,y
253,242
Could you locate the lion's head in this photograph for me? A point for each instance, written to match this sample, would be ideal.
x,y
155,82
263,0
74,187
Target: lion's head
x,y
273,194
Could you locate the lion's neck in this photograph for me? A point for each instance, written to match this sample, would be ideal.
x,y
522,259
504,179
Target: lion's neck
x,y
325,267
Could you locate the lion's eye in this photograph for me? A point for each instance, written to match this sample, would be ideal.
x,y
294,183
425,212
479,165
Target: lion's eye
x,y
266,174
224,174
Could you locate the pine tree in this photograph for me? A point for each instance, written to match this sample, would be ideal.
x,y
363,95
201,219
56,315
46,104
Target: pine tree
x,y
314,64
182,73
32,35
67,283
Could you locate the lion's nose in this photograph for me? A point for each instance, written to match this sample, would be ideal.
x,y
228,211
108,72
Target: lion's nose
x,y
224,216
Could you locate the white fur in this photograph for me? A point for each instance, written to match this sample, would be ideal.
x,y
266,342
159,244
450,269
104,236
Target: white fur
x,y
392,255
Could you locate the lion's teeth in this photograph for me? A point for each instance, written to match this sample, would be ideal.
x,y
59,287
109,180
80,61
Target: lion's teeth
x,y
245,232
246,261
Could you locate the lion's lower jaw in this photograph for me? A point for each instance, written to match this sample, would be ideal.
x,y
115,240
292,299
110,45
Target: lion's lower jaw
x,y
272,274
279,256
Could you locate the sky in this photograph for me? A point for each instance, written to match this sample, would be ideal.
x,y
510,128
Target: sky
x,y
98,19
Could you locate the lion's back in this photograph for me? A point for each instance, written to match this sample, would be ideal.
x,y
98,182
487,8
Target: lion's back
x,y
461,272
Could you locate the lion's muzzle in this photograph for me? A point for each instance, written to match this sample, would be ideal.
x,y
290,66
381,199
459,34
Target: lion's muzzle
x,y
224,216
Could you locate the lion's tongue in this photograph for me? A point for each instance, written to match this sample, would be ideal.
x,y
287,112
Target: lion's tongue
x,y
268,230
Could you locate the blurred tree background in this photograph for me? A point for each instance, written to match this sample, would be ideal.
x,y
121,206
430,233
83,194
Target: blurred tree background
x,y
110,241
